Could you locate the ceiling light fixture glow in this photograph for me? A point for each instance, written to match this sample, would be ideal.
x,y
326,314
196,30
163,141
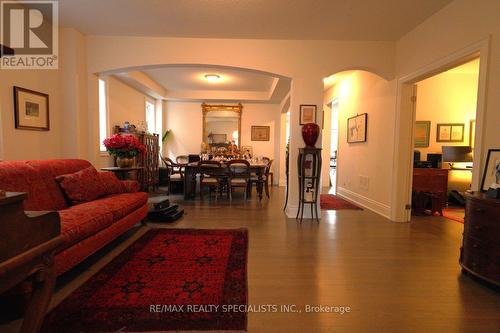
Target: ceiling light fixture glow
x,y
212,77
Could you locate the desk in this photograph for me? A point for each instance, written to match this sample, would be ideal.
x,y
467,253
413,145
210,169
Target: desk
x,y
431,180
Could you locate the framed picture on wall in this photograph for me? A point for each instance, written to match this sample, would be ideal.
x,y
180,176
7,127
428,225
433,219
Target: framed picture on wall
x,y
422,134
491,174
307,114
247,150
260,133
31,110
450,133
356,128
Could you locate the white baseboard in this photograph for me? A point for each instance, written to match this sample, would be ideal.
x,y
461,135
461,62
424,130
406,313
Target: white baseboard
x,y
373,205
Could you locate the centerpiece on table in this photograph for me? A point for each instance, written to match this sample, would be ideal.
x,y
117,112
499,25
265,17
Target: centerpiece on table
x,y
125,148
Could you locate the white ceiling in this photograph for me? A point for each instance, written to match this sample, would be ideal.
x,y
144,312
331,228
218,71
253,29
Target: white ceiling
x,y
193,78
385,20
188,83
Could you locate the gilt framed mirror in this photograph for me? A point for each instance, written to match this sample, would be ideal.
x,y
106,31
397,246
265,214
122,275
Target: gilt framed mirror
x,y
221,124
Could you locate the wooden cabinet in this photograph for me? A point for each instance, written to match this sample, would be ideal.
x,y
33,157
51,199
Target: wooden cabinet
x,y
29,241
480,252
148,175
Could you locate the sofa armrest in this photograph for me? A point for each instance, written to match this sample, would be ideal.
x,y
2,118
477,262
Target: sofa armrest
x,y
130,186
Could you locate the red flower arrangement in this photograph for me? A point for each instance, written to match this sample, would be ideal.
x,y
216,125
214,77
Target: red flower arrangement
x,y
124,146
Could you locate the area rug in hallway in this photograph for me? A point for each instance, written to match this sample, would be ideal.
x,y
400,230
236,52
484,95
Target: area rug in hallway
x,y
454,213
332,202
169,279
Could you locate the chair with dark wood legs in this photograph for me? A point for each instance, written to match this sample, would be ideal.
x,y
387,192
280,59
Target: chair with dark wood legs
x,y
211,175
239,176
175,172
265,179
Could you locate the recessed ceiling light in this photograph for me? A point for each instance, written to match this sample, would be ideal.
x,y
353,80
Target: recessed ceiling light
x,y
212,77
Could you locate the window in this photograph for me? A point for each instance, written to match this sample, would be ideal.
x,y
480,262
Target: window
x,y
103,115
150,117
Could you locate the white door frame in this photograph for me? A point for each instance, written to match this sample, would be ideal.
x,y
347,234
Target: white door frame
x,y
405,120
334,101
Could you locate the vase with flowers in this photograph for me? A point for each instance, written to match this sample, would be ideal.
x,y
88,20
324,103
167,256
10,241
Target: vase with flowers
x,y
125,148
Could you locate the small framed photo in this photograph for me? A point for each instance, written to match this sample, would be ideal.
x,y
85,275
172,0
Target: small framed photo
x,y
422,134
491,174
356,128
31,109
260,133
307,114
247,150
450,133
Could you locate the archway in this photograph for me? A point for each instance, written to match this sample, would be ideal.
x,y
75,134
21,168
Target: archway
x,y
358,96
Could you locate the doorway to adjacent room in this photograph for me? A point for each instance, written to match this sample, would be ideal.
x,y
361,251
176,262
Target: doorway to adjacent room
x,y
444,131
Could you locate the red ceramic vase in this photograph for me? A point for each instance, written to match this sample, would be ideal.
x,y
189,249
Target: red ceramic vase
x,y
310,133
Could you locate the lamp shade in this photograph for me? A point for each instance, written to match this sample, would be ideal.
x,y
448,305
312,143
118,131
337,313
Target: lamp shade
x,y
457,153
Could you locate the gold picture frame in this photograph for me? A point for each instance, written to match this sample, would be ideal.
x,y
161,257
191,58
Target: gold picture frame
x,y
260,133
422,133
450,132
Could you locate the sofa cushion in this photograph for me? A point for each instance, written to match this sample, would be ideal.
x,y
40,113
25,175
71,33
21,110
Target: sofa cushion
x,y
84,220
82,186
49,170
120,205
18,176
111,183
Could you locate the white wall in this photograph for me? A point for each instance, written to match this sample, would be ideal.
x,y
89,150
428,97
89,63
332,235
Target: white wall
x,y
185,120
21,144
124,104
364,92
446,98
73,92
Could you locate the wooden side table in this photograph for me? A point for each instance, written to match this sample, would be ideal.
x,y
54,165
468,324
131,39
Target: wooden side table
x,y
309,172
27,252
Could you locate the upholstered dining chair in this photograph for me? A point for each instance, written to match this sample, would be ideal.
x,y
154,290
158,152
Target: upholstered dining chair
x,y
265,178
211,175
175,172
239,176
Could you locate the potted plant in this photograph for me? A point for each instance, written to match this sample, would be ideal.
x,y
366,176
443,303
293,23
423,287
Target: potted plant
x,y
125,148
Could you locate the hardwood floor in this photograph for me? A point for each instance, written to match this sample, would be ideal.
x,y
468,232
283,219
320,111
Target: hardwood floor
x,y
394,277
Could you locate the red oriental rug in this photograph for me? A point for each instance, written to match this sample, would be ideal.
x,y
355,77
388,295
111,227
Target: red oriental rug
x,y
169,279
454,213
332,202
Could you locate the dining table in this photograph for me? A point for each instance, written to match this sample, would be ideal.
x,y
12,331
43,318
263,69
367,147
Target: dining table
x,y
192,170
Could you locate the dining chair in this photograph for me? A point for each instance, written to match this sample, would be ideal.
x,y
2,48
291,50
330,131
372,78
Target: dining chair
x,y
175,172
239,176
265,178
211,175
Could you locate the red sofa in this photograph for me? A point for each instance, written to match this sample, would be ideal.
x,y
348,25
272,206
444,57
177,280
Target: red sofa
x,y
86,227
